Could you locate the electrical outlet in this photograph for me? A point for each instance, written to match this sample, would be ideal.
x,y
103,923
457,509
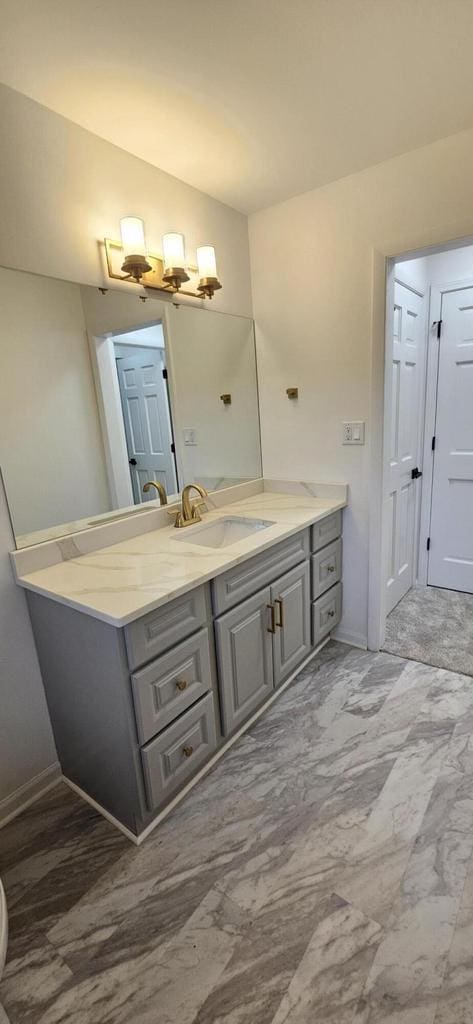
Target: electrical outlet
x,y
354,432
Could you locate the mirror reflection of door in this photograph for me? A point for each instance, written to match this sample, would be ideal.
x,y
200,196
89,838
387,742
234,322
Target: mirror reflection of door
x,y
146,417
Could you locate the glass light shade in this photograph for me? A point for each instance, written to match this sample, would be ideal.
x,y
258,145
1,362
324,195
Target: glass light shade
x,y
132,231
207,262
174,254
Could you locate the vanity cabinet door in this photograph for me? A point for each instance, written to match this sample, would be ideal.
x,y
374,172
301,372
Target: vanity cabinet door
x,y
244,649
292,640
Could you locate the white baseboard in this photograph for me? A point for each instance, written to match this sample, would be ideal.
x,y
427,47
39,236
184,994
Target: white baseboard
x,y
353,639
101,810
27,794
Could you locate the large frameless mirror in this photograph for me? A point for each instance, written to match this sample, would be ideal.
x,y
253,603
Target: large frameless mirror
x,y
102,394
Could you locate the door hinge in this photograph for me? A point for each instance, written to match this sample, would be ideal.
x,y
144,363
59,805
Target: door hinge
x,y
428,543
173,447
433,444
438,325
165,374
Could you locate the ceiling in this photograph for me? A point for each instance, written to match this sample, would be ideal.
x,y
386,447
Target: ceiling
x,y
252,101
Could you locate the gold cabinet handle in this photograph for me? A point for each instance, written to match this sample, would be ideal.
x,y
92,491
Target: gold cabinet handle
x,y
272,626
331,614
181,684
330,568
187,751
280,604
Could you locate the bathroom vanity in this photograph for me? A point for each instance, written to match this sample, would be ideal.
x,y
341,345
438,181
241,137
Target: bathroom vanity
x,y
157,649
157,645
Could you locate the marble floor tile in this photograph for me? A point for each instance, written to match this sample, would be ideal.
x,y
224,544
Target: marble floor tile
x,y
39,970
375,686
328,981
315,875
455,1004
407,971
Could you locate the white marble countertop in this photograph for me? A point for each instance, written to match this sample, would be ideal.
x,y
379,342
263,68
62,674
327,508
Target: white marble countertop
x,y
122,582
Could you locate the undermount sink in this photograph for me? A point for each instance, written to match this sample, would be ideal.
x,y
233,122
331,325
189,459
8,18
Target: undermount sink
x,y
223,532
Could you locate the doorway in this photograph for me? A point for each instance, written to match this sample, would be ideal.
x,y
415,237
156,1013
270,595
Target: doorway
x,y
142,380
428,460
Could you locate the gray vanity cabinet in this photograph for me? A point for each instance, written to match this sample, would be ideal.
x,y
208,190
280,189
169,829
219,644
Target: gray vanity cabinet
x,y
260,642
245,658
138,711
292,640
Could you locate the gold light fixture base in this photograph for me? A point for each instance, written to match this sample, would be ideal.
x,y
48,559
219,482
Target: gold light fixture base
x,y
208,285
150,272
175,276
135,267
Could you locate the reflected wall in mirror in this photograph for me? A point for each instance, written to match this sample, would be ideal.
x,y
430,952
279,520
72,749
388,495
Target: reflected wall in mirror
x,y
100,393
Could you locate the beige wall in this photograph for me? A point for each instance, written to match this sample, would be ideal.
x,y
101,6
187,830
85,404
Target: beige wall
x,y
26,741
312,274
62,191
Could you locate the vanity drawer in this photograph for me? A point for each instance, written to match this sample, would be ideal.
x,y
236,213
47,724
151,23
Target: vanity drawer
x,y
248,577
326,613
325,530
174,756
326,568
159,630
164,689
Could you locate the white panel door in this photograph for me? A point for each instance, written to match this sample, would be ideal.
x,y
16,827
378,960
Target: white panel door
x,y
144,399
407,358
451,524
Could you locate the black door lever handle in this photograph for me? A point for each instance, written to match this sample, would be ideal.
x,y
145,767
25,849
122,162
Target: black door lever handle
x,y
415,473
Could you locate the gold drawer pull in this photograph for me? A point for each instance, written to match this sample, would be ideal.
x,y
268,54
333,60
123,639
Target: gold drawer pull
x,y
280,604
272,626
187,751
331,614
330,568
181,684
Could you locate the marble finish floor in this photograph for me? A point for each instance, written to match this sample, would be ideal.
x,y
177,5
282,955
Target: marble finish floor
x,y
322,872
433,626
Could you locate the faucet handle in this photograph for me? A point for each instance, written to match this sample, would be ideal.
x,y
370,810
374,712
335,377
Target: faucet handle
x,y
175,514
197,505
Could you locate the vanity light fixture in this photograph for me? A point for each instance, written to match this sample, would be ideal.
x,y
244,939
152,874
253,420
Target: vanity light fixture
x,y
174,258
166,273
132,230
207,264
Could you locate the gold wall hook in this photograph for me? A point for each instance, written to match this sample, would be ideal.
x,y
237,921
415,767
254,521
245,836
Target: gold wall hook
x,y
226,399
292,392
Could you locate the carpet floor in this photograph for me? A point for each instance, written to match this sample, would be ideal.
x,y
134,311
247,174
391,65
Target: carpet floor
x,y
433,626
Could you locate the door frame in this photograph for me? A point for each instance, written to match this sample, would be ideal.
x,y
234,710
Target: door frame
x,y
382,314
102,352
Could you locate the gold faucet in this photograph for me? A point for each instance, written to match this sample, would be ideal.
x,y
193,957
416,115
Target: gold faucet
x,y
163,498
189,511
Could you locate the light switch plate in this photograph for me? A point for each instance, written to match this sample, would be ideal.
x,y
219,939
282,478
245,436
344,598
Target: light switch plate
x,y
190,435
354,432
